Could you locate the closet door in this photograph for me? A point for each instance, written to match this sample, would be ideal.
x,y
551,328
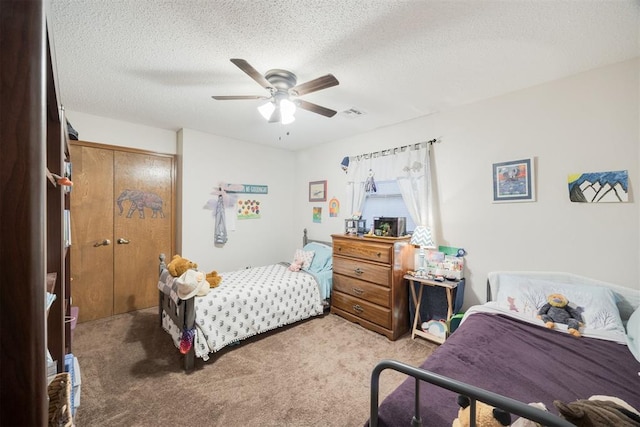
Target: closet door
x,y
142,227
122,203
92,231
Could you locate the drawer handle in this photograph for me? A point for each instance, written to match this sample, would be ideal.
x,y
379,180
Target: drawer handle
x,y
358,291
358,308
379,254
358,271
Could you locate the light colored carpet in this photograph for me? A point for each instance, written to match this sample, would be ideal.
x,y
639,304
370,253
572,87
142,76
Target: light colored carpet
x,y
313,373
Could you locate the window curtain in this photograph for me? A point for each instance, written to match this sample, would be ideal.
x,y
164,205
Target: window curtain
x,y
409,166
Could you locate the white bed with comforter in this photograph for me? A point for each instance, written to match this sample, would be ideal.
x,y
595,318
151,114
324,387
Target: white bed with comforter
x,y
246,303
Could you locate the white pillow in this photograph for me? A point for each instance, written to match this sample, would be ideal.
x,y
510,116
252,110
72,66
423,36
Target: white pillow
x,y
633,334
597,304
305,256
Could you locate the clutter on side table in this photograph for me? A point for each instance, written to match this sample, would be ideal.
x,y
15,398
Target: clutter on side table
x,y
445,263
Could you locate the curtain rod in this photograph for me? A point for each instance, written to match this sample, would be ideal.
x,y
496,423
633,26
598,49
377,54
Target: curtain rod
x,y
390,151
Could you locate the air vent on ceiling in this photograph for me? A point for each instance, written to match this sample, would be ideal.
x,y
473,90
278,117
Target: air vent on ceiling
x,y
353,113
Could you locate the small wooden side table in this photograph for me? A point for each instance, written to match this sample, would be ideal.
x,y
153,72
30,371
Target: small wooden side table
x,y
422,281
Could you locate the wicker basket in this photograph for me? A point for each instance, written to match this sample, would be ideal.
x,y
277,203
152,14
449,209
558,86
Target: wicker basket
x,y
59,391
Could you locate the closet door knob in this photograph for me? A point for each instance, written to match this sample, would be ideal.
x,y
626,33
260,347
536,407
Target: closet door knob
x,y
122,241
105,242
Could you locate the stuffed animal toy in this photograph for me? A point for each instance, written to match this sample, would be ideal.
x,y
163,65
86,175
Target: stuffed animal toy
x,y
599,411
213,279
557,310
296,265
523,422
178,266
192,283
486,415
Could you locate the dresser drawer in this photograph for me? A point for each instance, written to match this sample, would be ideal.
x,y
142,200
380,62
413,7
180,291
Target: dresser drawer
x,y
364,290
357,269
363,249
363,309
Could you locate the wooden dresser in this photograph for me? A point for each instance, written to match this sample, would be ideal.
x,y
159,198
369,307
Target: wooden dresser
x,y
368,287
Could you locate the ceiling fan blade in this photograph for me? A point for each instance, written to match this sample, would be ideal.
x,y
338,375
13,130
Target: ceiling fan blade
x,y
315,108
252,72
226,98
314,85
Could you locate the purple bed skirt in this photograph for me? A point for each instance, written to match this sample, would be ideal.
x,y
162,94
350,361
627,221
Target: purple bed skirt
x,y
523,361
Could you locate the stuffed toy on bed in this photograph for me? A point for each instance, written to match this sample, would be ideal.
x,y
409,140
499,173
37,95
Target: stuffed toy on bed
x,y
296,265
557,310
178,266
486,415
599,411
214,279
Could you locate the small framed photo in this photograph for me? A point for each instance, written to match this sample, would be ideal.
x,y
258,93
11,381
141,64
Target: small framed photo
x,y
318,191
514,181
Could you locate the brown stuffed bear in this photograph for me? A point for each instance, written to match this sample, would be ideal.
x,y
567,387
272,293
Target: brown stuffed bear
x,y
213,279
486,415
178,266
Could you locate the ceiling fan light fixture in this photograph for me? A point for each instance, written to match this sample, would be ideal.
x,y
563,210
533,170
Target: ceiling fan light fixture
x,y
287,119
267,109
287,111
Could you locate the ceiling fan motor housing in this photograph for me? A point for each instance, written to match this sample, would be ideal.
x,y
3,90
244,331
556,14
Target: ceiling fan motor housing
x,y
281,79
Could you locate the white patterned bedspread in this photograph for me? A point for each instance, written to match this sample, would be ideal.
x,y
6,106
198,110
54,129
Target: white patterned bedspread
x,y
249,302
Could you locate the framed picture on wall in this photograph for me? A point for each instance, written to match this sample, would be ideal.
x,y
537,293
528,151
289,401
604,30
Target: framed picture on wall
x,y
318,191
514,181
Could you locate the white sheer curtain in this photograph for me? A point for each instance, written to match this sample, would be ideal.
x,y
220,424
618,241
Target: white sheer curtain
x,y
409,166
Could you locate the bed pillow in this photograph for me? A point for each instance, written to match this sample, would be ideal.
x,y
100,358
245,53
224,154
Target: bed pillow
x,y
323,258
633,334
596,303
305,256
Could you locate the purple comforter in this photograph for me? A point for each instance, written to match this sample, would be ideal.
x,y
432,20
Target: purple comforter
x,y
526,362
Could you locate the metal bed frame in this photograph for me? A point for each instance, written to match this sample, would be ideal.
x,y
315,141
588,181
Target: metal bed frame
x,y
474,394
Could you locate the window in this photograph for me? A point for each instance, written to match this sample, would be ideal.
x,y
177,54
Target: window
x,y
386,201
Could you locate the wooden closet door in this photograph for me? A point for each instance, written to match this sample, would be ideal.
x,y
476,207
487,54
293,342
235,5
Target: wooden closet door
x,y
92,224
143,218
122,275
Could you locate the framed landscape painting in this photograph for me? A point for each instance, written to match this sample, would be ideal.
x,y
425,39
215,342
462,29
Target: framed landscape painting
x,y
514,181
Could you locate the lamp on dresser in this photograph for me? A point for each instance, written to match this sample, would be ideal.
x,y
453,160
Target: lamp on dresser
x,y
422,237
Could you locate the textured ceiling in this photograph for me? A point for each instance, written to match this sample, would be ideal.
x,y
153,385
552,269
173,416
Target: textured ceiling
x,y
157,62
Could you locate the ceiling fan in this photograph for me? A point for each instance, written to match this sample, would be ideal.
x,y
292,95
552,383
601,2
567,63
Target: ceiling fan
x,y
284,92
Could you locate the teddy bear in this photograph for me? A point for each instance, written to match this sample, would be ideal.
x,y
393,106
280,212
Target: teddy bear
x,y
296,265
557,310
213,279
178,266
486,415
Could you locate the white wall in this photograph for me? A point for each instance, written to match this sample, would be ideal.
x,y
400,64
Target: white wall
x,y
208,160
123,134
588,122
585,123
